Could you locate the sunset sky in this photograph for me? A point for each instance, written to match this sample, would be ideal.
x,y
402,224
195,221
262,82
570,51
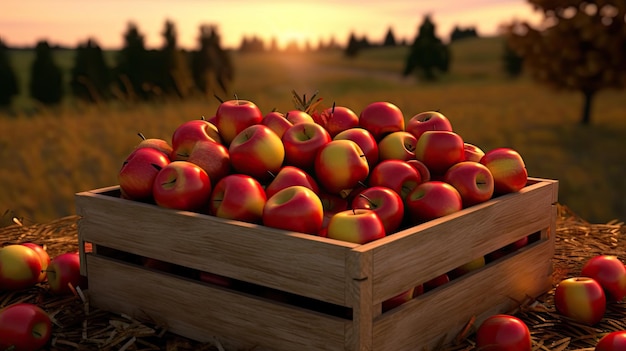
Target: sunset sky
x,y
67,22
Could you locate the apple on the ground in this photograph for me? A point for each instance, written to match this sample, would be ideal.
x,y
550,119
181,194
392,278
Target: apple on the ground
x,y
610,273
20,267
581,299
63,272
24,326
44,257
503,332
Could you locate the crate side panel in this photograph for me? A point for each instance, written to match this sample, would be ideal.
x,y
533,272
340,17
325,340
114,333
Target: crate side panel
x,y
201,312
298,263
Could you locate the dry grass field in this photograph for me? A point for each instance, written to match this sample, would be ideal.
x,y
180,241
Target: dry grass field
x,y
49,155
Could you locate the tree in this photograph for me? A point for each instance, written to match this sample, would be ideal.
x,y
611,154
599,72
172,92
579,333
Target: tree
x,y
174,75
428,54
390,39
512,62
581,47
212,66
90,76
462,33
8,80
46,78
131,70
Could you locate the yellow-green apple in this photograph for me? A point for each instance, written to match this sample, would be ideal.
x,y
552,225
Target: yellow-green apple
x,y
239,197
44,257
295,208
503,332
381,118
436,282
213,158
581,299
397,175
182,185
432,199
439,150
155,143
302,141
340,165
339,118
20,267
398,300
609,272
298,116
277,122
508,169
472,180
421,168
358,226
612,341
472,152
365,140
63,272
289,176
332,203
139,169
24,327
233,116
428,120
472,265
397,146
385,202
257,151
187,134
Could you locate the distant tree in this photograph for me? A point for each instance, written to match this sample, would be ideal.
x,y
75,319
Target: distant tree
x,y
390,39
174,74
273,45
581,48
462,33
8,80
90,76
428,54
253,44
132,64
355,45
512,62
211,65
292,47
46,78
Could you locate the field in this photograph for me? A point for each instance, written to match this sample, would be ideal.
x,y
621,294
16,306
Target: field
x,y
49,155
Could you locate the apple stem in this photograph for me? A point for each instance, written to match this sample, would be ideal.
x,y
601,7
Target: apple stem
x,y
202,118
362,184
332,110
368,199
236,98
271,174
218,98
141,136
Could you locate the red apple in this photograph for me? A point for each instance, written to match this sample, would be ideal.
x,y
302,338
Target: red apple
x,y
439,150
427,121
385,202
187,134
257,151
381,118
581,299
397,146
63,272
473,152
340,165
136,177
155,143
216,279
277,122
463,269
503,332
289,176
508,170
298,116
43,257
432,199
233,116
302,141
339,118
182,185
212,157
398,300
613,341
358,226
421,168
365,140
20,267
609,272
397,175
295,208
239,197
472,180
24,327
436,282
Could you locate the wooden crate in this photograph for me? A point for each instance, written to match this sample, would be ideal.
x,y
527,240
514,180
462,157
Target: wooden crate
x,y
302,292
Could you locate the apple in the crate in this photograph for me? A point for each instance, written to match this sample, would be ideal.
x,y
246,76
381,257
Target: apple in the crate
x,y
24,327
233,116
397,175
295,208
508,169
358,226
581,299
257,151
436,282
463,269
20,267
239,197
381,118
277,122
339,118
298,116
302,141
472,180
428,121
609,272
215,279
63,272
398,300
340,165
138,172
472,152
432,199
439,150
160,144
187,134
212,157
332,203
612,341
385,202
365,140
503,332
397,146
182,185
44,257
421,168
290,176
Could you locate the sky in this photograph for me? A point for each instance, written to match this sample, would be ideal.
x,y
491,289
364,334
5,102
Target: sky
x,y
69,22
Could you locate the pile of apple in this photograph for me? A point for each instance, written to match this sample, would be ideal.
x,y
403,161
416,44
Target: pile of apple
x,y
333,173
